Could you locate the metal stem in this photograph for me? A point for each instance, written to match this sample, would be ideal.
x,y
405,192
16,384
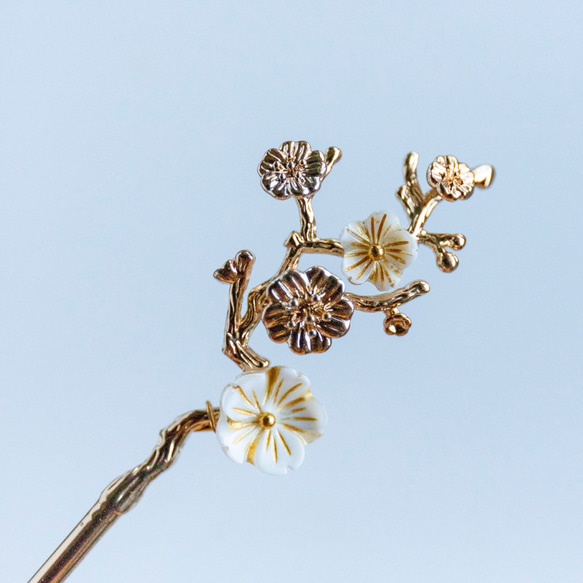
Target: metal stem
x,y
122,495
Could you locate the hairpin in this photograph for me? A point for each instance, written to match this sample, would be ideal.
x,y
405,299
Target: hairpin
x,y
268,414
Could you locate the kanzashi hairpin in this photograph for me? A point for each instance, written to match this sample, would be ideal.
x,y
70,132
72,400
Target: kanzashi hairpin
x,y
268,414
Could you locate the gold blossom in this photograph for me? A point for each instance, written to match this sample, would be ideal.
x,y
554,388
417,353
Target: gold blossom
x,y
307,310
267,417
294,169
377,249
452,180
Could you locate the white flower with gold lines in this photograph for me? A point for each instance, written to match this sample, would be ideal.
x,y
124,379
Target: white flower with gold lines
x,y
267,417
377,249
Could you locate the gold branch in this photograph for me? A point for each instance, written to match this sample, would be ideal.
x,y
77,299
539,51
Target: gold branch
x,y
237,272
483,175
307,217
389,301
419,206
410,194
122,495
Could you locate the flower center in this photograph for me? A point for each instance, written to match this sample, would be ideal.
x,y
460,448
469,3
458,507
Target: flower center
x,y
376,252
267,420
452,177
307,312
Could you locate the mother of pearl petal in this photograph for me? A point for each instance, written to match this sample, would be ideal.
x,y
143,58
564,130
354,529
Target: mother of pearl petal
x,y
279,450
267,417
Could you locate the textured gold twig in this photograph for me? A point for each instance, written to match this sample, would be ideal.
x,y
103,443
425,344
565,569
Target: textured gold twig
x,y
122,495
389,301
419,206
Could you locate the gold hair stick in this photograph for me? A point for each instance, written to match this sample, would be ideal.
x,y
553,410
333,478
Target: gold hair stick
x,y
122,495
268,414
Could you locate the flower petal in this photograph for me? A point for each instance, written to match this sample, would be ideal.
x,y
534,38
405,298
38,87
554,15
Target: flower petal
x,y
386,225
401,252
292,284
299,419
299,341
326,286
303,341
436,172
303,185
235,441
342,309
307,419
303,151
357,268
319,342
334,327
385,275
362,262
284,384
275,319
315,165
237,399
278,450
289,149
355,233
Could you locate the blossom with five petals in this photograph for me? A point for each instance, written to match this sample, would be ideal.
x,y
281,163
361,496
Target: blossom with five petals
x,y
307,310
294,169
267,417
452,180
377,249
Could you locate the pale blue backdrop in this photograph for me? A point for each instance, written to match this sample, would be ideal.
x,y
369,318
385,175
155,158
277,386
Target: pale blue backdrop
x,y
130,133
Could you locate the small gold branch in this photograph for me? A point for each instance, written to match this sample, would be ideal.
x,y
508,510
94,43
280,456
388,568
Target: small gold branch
x,y
307,218
389,301
439,242
237,272
483,175
410,194
122,495
419,207
296,245
243,356
430,201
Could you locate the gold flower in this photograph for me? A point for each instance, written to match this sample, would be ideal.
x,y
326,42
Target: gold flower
x,y
307,310
293,169
267,417
377,250
453,180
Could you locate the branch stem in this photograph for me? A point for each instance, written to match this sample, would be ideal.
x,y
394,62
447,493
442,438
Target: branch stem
x,y
120,496
431,200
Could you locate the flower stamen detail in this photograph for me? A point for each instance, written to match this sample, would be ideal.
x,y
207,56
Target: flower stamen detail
x,y
267,420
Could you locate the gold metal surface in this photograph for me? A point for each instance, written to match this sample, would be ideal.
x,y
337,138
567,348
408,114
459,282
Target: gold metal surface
x,y
293,171
306,309
450,180
122,495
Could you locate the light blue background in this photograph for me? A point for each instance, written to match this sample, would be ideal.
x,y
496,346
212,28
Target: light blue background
x,y
130,133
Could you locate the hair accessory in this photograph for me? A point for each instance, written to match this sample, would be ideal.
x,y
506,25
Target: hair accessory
x,y
268,414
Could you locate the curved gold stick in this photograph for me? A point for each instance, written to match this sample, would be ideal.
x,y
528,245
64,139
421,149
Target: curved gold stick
x,y
122,495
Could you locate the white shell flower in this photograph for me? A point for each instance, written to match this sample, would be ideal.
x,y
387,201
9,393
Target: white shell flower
x,y
377,250
267,417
